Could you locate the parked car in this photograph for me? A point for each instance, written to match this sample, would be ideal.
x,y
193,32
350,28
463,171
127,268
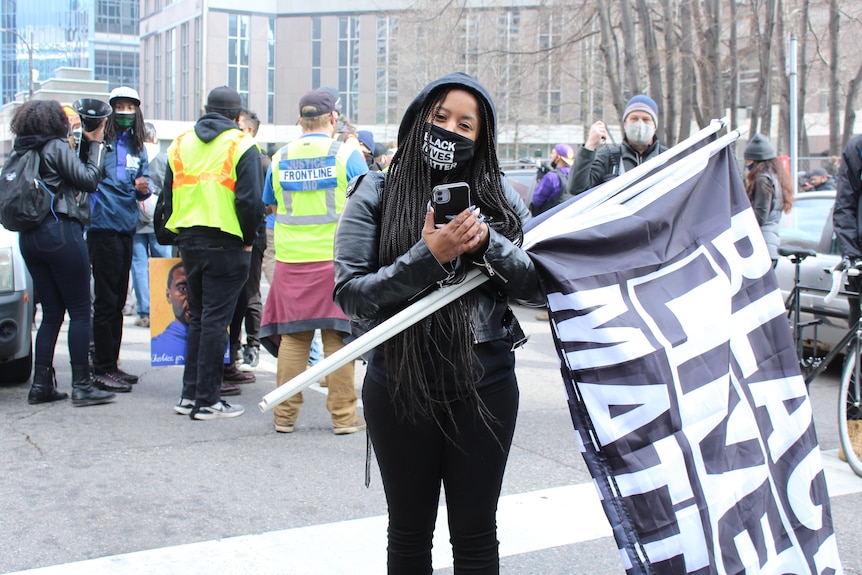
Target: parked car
x,y
16,312
809,225
522,176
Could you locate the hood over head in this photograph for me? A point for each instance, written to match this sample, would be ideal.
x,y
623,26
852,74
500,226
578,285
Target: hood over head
x,y
455,80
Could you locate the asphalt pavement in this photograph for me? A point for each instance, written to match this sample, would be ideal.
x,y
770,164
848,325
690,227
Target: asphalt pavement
x,y
131,487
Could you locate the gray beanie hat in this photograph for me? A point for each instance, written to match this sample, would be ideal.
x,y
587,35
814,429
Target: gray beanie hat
x,y
759,149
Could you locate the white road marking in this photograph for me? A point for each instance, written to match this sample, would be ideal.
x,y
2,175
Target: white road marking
x,y
527,522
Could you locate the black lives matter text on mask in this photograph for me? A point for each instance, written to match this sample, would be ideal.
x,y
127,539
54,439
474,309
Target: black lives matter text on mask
x,y
441,153
445,150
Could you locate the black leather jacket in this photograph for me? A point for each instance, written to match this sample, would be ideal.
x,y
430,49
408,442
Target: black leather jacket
x,y
71,179
370,293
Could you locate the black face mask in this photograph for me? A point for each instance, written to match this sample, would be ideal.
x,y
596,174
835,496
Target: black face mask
x,y
369,159
445,151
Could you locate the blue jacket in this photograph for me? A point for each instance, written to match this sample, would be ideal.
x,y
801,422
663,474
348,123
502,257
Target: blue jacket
x,y
114,206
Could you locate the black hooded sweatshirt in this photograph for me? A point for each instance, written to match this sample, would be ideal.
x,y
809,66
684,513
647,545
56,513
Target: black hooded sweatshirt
x,y
248,194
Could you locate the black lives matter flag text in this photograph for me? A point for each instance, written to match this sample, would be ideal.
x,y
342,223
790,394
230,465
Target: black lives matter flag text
x,y
682,379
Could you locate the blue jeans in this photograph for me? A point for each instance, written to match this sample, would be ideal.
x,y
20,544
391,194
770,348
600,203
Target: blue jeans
x,y
216,272
56,254
144,247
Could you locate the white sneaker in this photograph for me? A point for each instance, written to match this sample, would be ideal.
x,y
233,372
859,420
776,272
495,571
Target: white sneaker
x,y
218,411
184,407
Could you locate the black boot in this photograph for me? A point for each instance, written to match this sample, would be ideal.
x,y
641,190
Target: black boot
x,y
44,388
84,390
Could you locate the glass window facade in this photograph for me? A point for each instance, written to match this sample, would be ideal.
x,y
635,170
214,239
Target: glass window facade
x,y
184,72
550,74
315,52
117,16
170,73
59,33
509,65
237,54
118,67
348,64
469,31
270,71
387,70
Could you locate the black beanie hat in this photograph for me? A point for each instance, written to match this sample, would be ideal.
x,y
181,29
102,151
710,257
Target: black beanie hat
x,y
759,149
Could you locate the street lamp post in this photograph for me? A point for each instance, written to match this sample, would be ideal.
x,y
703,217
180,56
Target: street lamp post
x,y
30,54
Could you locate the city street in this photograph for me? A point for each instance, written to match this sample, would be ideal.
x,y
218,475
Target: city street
x,y
133,488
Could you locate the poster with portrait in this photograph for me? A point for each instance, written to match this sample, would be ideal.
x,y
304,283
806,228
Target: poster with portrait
x,y
169,313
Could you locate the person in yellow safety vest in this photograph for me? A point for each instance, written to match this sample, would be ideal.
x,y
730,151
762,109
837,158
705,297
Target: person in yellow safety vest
x,y
212,199
307,184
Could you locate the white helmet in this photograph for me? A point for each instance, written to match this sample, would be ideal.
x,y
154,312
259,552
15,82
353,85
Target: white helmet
x,y
125,93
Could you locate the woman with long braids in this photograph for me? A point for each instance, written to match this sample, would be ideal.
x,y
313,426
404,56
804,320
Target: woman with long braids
x,y
441,397
769,189
115,213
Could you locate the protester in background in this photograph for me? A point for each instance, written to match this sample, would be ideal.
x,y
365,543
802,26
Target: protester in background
x,y
366,146
345,131
114,218
551,189
381,156
769,189
595,165
55,250
144,243
307,182
441,397
833,166
848,231
818,180
249,307
75,132
216,222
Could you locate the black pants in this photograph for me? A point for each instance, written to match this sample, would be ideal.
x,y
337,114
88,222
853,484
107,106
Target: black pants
x,y
216,272
56,255
415,458
248,308
111,258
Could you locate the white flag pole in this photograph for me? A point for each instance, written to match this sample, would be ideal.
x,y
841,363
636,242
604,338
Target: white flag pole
x,y
440,298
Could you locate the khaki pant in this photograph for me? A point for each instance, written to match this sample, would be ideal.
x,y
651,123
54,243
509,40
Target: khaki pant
x,y
268,264
293,360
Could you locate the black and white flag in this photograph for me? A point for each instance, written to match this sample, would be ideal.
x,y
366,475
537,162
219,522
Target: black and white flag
x,y
682,379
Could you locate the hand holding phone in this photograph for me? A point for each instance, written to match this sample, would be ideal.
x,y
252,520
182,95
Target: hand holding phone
x,y
449,200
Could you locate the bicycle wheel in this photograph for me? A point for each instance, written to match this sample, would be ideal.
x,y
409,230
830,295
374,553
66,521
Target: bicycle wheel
x,y
850,410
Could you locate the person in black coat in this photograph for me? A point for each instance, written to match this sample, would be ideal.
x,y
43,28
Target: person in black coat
x,y
440,398
55,250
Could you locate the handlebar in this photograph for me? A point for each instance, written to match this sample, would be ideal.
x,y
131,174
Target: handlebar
x,y
838,272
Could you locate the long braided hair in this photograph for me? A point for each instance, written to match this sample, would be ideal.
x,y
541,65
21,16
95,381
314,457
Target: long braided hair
x,y
448,333
138,130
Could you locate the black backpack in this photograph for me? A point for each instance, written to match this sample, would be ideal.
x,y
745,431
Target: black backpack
x,y
24,199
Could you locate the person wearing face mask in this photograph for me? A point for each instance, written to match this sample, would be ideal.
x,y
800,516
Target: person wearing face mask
x,y
441,397
306,184
367,145
595,165
114,219
55,251
550,190
769,189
